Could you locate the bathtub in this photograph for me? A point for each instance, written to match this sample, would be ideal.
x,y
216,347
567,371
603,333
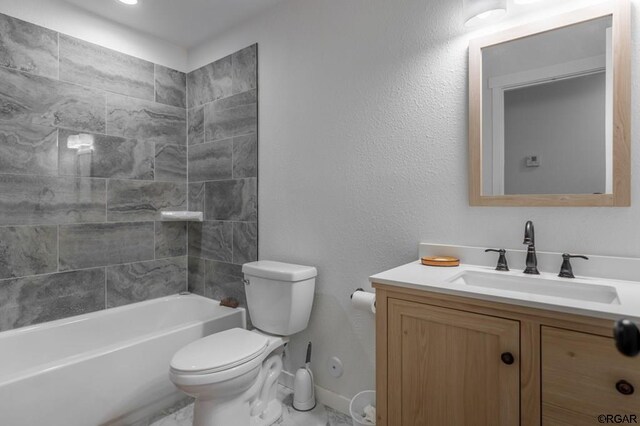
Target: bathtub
x,y
105,368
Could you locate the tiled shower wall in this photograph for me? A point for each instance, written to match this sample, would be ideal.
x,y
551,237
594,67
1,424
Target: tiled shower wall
x,y
93,145
223,172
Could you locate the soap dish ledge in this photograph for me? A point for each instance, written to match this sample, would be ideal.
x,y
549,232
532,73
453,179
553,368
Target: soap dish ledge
x,y
182,216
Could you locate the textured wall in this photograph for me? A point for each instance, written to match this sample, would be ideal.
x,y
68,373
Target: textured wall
x,y
92,148
363,154
223,173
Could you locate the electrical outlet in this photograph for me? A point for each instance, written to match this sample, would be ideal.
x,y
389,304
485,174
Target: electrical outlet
x,y
335,367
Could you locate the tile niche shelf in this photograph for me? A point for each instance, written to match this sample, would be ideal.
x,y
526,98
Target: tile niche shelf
x,y
182,216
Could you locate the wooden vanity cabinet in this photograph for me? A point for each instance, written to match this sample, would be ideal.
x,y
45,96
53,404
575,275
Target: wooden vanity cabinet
x,y
583,377
448,360
446,367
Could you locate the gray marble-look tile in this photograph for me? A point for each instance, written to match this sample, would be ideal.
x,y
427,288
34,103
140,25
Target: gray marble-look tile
x,y
195,125
182,417
210,82
171,163
240,99
103,244
321,415
211,161
130,200
41,298
235,199
211,240
245,242
171,239
28,47
137,282
196,197
171,86
245,69
28,250
151,121
93,155
91,65
291,417
39,100
245,156
337,418
178,414
224,280
232,122
36,200
28,149
195,275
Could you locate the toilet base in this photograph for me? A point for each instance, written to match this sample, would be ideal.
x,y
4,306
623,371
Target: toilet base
x,y
271,415
220,413
233,412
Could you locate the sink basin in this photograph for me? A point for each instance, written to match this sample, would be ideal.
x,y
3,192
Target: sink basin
x,y
563,288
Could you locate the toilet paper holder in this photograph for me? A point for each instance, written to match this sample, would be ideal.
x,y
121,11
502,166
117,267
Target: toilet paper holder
x,y
357,289
362,290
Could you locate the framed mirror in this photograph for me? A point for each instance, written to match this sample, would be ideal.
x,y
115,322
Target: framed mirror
x,y
549,104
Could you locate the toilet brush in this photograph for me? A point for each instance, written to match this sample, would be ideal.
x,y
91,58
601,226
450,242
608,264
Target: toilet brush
x,y
304,397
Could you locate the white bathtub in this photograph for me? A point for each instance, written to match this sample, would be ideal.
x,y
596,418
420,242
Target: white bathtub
x,y
105,368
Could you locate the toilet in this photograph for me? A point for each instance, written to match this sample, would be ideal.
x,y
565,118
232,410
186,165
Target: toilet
x,y
233,374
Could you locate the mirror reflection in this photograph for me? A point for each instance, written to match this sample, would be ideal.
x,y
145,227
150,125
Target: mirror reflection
x,y
547,112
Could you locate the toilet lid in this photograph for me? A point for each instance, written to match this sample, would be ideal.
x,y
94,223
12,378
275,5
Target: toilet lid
x,y
219,351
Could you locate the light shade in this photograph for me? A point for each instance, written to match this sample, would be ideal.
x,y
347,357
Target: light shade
x,y
478,10
525,1
129,2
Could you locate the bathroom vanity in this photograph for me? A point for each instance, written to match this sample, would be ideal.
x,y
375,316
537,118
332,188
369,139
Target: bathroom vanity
x,y
471,345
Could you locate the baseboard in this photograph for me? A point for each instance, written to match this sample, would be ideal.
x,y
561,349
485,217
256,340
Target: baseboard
x,y
323,396
333,400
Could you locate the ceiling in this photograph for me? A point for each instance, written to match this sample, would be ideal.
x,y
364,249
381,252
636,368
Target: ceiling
x,y
185,23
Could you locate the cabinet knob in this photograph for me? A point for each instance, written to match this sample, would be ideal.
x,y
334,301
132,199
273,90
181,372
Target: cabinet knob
x,y
625,387
507,358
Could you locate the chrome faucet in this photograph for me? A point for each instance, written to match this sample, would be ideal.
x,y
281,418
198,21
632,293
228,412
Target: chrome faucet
x,y
530,241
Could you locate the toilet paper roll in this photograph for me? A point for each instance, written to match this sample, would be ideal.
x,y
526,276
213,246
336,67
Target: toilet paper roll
x,y
363,301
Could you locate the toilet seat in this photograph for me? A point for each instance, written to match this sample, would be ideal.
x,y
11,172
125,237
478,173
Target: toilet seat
x,y
219,352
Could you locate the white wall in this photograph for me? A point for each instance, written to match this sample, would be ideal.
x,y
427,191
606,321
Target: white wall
x,y
363,154
68,19
363,148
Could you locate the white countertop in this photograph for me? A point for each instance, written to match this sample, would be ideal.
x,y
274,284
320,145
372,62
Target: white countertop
x,y
437,279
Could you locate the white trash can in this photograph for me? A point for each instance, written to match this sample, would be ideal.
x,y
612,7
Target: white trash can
x,y
356,408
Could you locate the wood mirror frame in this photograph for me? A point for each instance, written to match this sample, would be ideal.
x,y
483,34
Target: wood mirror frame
x,y
619,10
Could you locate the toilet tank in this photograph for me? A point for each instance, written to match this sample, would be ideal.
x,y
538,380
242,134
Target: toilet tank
x,y
279,295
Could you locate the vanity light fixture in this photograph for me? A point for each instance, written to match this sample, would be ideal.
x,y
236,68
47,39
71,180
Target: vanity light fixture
x,y
129,2
476,11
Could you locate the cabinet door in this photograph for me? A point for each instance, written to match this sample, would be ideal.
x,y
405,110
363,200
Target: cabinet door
x,y
446,367
582,378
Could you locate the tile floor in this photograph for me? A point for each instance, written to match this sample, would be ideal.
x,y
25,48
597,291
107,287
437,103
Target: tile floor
x,y
319,416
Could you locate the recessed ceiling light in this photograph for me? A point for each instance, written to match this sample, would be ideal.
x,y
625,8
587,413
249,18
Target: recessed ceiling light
x,y
129,2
